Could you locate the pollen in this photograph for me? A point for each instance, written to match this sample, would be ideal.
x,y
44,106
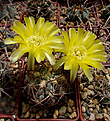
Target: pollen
x,y
36,40
78,52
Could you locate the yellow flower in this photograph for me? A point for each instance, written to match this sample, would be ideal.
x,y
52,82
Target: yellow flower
x,y
81,50
38,39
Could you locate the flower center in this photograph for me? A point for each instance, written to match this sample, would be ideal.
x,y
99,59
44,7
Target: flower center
x,y
78,52
36,40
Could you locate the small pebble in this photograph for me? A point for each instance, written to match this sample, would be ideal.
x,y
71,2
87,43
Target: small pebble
x,y
95,111
27,115
73,109
55,115
85,104
83,109
84,115
99,116
108,70
33,115
70,103
85,89
67,115
95,102
81,86
97,107
91,106
8,120
17,17
2,119
108,77
107,108
41,112
105,71
73,115
88,112
91,87
62,110
25,108
92,117
106,117
62,117
84,95
104,110
82,102
90,92
91,109
69,109
37,116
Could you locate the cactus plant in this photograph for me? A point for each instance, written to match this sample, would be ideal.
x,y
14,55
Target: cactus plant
x,y
46,87
38,8
8,11
106,12
77,12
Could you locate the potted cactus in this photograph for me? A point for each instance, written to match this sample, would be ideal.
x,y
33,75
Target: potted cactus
x,y
42,86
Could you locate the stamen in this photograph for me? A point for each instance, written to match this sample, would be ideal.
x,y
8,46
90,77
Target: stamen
x,y
36,40
78,52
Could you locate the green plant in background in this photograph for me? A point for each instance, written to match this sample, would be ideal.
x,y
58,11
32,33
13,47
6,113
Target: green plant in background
x,y
81,50
106,12
76,13
8,11
38,40
36,9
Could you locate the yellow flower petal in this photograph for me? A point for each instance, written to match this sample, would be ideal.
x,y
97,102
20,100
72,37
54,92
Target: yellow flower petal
x,y
66,39
88,74
98,57
47,28
96,47
18,31
72,36
60,62
96,52
47,49
87,34
39,55
16,55
80,35
73,72
32,21
9,41
21,26
97,41
39,24
68,64
55,45
24,48
50,57
29,24
55,39
86,70
89,41
18,39
93,63
54,31
100,52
